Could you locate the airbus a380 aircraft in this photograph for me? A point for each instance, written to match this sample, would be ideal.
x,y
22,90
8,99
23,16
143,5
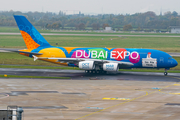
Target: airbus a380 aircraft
x,y
91,60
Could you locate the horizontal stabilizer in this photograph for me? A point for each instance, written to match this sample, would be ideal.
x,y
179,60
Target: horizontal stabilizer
x,y
14,50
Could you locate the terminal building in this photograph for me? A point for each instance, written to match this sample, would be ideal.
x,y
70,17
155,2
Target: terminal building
x,y
175,29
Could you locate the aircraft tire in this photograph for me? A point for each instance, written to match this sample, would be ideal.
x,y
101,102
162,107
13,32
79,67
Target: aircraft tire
x,y
165,73
86,71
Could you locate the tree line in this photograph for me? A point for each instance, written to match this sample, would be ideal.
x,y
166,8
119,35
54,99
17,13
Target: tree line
x,y
139,21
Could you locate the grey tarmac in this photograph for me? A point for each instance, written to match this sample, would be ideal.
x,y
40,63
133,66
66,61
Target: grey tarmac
x,y
122,96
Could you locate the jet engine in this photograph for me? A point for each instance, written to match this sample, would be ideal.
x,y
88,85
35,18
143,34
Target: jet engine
x,y
87,65
113,67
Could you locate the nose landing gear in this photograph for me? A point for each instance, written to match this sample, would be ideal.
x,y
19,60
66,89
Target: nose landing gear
x,y
165,73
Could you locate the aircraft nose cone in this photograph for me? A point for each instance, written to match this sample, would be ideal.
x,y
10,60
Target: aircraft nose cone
x,y
175,63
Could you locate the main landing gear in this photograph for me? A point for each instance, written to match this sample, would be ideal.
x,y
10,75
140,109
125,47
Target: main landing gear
x,y
96,71
165,73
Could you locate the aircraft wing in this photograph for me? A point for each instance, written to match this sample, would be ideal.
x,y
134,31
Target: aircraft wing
x,y
76,60
14,50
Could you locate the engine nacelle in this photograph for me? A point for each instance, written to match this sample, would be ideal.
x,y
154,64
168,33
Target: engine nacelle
x,y
111,67
87,65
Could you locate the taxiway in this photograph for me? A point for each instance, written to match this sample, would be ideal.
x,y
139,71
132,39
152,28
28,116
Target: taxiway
x,y
126,95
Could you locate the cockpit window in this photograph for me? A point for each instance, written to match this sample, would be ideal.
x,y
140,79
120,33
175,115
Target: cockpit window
x,y
170,58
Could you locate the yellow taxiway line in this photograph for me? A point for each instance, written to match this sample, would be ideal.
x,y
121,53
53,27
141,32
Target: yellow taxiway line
x,y
115,105
171,85
126,101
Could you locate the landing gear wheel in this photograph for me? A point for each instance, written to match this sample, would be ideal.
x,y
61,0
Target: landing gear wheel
x,y
165,73
86,71
92,71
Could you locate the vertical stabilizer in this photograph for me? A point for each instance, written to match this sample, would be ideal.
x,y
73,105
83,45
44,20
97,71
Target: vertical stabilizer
x,y
32,38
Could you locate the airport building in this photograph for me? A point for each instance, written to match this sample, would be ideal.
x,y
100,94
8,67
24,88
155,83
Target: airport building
x,y
108,29
175,29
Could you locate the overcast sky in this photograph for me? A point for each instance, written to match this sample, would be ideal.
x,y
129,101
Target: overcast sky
x,y
91,6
